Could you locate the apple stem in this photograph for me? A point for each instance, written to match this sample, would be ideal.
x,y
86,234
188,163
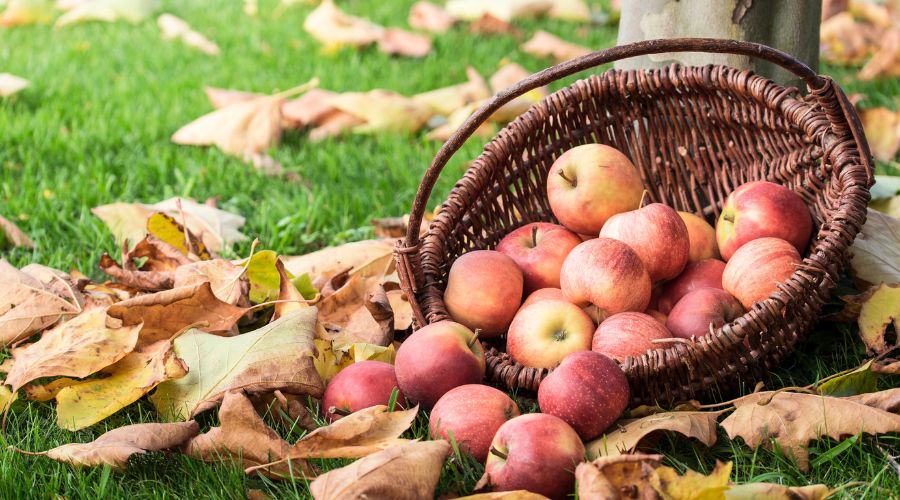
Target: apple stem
x,y
562,174
475,337
534,235
498,453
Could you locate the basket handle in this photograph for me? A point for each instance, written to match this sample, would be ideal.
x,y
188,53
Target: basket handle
x,y
553,73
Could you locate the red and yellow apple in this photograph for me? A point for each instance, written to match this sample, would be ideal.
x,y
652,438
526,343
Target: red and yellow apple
x,y
702,310
628,334
546,331
608,274
706,273
471,414
539,250
757,267
358,386
702,237
543,294
588,184
657,234
484,290
762,210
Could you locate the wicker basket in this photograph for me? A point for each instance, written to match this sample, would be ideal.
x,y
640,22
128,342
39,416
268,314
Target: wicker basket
x,y
695,133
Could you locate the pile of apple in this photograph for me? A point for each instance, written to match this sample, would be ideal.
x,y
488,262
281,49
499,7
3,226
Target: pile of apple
x,y
649,275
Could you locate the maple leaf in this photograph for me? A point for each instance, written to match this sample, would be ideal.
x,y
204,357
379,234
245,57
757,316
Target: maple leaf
x,y
115,447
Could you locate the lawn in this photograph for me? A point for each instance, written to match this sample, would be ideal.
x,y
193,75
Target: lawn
x,y
95,128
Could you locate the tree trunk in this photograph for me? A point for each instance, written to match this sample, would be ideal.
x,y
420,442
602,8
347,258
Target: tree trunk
x,y
788,25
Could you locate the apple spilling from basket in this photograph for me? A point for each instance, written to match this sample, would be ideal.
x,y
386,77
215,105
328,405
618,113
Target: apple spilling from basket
x,y
614,279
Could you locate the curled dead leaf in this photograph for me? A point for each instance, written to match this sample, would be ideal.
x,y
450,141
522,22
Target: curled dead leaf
x,y
226,280
48,391
887,400
29,305
115,447
359,311
880,308
310,109
359,434
544,44
608,477
629,434
427,16
324,263
669,484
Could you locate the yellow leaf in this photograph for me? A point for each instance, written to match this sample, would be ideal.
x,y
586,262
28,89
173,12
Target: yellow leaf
x,y
383,111
882,131
628,434
880,308
115,447
7,398
262,274
692,485
85,404
167,229
334,357
25,12
48,391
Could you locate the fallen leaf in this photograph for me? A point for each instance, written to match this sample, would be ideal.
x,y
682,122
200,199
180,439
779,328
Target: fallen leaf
x,y
217,228
157,255
669,484
333,28
289,298
608,477
570,10
882,128
276,356
333,125
843,40
876,250
507,76
133,11
794,419
262,275
220,98
328,261
489,24
115,447
408,471
27,305
82,405
333,356
25,12
226,280
880,309
9,231
310,109
358,312
402,309
48,391
77,348
770,491
887,400
544,44
886,60
395,41
859,381
506,10
383,111
427,16
7,398
456,119
505,495
446,100
174,27
164,314
357,435
128,275
629,434
291,409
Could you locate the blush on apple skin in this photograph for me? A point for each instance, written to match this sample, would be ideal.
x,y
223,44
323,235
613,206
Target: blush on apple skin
x,y
702,309
762,210
539,250
360,385
756,268
484,290
706,273
608,274
588,391
437,358
629,334
702,237
472,413
657,234
535,452
543,294
588,184
546,331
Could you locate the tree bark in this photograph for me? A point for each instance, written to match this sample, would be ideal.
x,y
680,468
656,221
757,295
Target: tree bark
x,y
788,25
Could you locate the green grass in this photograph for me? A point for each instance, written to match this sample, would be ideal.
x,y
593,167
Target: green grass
x,y
95,129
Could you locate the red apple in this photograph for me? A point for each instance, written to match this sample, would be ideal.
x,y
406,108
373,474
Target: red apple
x,y
657,234
535,452
703,274
539,250
589,184
755,270
360,385
587,390
437,358
472,414
696,311
484,290
658,316
608,274
702,237
762,209
545,332
543,294
628,334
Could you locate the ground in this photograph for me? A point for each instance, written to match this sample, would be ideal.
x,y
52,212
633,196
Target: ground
x,y
95,129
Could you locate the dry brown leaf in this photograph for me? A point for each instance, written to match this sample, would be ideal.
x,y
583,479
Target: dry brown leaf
x,y
794,419
157,255
505,77
77,348
408,471
886,61
9,231
505,495
882,131
880,308
289,408
427,16
446,100
402,309
312,108
506,10
489,24
544,44
607,477
329,261
843,40
251,126
359,311
221,98
770,491
48,391
383,111
227,281
333,125
129,276
669,484
629,434
887,400
25,12
164,314
27,305
876,250
289,298
359,434
570,10
115,447
395,41
173,27
333,28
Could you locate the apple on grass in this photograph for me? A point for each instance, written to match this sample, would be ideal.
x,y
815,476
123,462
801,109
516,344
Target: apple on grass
x,y
588,184
759,210
535,452
588,391
701,311
437,358
608,274
546,331
706,273
539,250
358,386
756,268
484,290
657,234
629,334
471,414
702,236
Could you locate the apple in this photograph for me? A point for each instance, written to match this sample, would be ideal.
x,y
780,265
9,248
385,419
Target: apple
x,y
657,234
543,294
706,273
587,390
608,274
484,290
546,331
539,250
658,316
358,386
697,310
702,237
628,334
437,358
757,267
535,452
762,209
472,414
588,184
